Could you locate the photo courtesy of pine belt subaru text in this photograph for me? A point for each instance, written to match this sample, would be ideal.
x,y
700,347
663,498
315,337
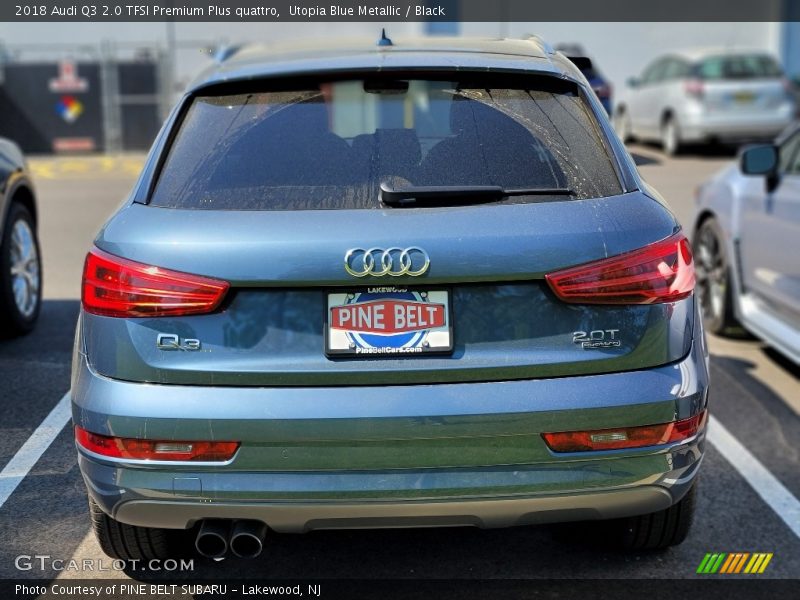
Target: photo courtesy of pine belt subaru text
x,y
412,283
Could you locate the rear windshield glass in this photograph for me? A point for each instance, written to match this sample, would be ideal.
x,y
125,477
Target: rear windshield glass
x,y
746,66
333,146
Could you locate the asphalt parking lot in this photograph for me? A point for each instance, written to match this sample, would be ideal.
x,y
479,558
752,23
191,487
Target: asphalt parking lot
x,y
755,397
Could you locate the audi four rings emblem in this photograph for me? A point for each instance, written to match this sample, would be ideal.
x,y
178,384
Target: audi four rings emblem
x,y
394,262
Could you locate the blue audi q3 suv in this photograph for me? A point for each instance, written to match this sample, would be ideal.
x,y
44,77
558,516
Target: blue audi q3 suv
x,y
410,284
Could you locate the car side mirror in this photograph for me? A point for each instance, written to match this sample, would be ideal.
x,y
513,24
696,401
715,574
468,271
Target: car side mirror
x,y
632,82
761,161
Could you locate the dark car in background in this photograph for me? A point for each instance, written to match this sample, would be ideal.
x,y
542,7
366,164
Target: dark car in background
x,y
20,258
599,84
395,285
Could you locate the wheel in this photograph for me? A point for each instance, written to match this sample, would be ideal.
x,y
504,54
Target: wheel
x,y
128,542
622,124
713,273
670,137
662,529
20,273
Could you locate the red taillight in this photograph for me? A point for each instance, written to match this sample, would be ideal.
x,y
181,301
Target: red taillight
x,y
117,287
136,449
660,272
625,437
694,88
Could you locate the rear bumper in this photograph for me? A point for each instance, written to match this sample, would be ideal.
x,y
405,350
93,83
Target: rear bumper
x,y
491,513
394,456
733,127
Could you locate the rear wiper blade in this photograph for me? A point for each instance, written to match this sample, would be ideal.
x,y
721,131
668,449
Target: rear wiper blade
x,y
462,194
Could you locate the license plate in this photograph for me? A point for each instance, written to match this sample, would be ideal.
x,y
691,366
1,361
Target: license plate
x,y
388,321
744,97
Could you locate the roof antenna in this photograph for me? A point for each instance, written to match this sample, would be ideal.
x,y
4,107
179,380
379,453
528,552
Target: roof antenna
x,y
384,41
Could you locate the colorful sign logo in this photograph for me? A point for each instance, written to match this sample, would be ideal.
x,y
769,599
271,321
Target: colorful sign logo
x,y
734,563
69,108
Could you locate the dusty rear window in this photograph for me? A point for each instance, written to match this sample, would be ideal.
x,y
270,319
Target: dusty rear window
x,y
331,147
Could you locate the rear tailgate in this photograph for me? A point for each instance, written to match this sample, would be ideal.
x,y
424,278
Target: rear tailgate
x,y
506,323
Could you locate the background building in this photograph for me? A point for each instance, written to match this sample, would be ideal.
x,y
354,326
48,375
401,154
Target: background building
x,y
132,100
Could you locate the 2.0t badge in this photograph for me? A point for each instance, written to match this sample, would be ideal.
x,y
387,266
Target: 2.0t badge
x,y
597,338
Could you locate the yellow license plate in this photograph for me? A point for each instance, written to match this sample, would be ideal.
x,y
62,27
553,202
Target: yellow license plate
x,y
744,97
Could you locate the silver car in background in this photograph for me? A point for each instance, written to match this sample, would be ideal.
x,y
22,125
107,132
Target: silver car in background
x,y
747,244
705,96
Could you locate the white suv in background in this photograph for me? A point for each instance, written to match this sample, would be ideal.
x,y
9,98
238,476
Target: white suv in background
x,y
706,96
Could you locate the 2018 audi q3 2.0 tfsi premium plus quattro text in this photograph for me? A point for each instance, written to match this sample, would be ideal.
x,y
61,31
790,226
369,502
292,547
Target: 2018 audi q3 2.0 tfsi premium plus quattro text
x,y
395,285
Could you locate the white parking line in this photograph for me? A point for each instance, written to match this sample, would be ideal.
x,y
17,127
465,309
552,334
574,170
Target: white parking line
x,y
772,491
33,448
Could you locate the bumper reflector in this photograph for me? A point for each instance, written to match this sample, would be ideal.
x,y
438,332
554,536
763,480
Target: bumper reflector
x,y
625,437
138,449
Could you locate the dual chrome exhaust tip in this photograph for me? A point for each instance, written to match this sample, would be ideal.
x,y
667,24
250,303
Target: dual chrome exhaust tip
x,y
217,537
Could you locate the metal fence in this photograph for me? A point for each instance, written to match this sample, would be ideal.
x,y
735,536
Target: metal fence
x,y
70,97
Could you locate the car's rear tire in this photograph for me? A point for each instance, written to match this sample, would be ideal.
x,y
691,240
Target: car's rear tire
x,y
20,273
128,542
670,137
662,529
713,272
